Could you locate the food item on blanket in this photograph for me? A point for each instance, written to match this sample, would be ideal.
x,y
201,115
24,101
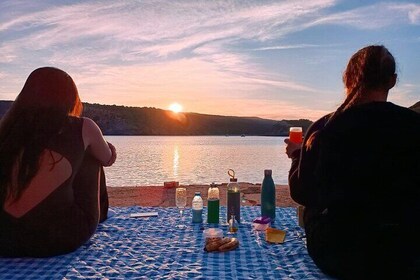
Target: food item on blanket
x,y
274,235
213,239
214,244
231,245
219,244
261,223
212,233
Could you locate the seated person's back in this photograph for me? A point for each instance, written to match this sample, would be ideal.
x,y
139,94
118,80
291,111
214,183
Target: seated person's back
x,y
52,184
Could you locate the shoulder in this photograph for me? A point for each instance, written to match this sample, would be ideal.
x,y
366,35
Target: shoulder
x,y
319,124
89,124
312,135
403,110
388,108
90,128
393,115
87,121
73,125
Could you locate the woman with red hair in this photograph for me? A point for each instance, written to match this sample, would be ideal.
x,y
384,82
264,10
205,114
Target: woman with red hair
x,y
52,184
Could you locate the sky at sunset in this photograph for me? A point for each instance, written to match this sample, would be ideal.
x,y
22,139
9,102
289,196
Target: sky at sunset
x,y
270,59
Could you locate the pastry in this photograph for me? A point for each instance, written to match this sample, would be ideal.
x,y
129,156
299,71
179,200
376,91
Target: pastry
x,y
213,244
231,245
221,244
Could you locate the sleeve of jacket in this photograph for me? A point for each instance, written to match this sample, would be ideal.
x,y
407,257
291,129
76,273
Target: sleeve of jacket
x,y
302,180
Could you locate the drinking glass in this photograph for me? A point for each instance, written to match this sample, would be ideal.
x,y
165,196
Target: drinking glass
x,y
295,135
181,200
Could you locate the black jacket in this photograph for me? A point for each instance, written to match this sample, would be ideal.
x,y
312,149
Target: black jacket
x,y
360,183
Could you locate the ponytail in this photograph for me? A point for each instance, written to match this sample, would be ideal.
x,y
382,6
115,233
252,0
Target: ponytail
x,y
370,68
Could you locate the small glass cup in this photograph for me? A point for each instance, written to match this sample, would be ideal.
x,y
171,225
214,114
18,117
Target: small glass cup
x,y
295,135
181,201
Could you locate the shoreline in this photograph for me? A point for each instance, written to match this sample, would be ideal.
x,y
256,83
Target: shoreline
x,y
159,196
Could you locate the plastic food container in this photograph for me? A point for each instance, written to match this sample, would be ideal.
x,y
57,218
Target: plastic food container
x,y
212,233
261,223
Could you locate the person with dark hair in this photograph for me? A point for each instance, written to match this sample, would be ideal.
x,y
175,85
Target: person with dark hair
x,y
357,173
52,184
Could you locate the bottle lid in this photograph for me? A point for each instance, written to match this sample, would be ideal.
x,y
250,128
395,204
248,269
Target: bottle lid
x,y
213,192
231,174
268,172
198,193
234,179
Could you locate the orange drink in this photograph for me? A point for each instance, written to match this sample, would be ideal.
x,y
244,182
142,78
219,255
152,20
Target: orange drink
x,y
295,134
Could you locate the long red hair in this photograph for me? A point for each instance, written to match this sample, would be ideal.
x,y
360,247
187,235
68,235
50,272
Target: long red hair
x,y
39,112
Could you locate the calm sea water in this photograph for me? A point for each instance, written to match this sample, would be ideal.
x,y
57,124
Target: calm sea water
x,y
152,160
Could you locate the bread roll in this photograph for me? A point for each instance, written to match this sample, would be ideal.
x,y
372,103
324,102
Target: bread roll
x,y
231,245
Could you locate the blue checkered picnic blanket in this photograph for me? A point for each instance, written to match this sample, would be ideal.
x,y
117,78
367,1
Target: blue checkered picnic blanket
x,y
155,248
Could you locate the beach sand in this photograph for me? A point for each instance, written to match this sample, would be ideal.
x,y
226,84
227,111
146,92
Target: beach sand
x,y
165,197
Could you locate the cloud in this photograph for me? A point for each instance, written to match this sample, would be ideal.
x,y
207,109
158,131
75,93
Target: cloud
x,y
141,53
288,47
374,16
405,94
108,35
7,54
198,78
164,28
160,27
412,11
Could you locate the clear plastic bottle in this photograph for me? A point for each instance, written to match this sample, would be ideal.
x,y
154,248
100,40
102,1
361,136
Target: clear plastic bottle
x,y
197,208
233,224
268,196
233,199
213,204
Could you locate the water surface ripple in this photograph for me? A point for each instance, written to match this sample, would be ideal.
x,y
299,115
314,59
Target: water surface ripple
x,y
152,160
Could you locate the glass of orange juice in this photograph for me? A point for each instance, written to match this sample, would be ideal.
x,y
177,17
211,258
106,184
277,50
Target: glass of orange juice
x,y
295,134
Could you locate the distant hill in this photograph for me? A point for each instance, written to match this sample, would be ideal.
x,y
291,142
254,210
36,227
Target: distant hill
x,y
416,107
123,120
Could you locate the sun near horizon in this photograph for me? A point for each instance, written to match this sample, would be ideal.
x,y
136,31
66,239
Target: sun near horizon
x,y
175,107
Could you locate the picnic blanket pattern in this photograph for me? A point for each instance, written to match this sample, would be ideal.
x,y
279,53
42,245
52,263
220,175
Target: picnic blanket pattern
x,y
156,248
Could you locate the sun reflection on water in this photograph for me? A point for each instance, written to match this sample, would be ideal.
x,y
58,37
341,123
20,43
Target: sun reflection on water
x,y
175,165
152,160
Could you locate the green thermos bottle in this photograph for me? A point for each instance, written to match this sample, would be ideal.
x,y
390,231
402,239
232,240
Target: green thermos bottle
x,y
213,204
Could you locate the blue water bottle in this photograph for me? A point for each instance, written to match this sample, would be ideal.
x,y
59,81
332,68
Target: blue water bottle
x,y
268,196
197,208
